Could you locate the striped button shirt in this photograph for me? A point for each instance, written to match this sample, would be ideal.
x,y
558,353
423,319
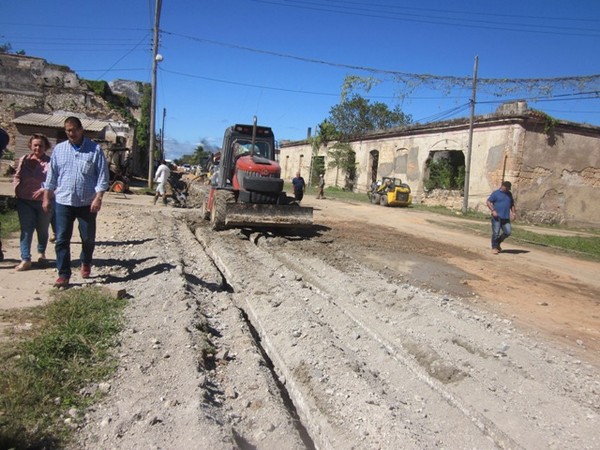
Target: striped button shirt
x,y
77,173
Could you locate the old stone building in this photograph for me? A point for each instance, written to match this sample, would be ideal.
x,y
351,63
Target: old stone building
x,y
36,96
554,165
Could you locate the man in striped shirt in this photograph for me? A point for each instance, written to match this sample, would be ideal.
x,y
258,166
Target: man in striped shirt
x,y
78,177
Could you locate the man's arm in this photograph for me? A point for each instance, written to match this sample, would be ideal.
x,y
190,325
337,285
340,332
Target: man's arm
x,y
490,205
46,201
49,185
102,181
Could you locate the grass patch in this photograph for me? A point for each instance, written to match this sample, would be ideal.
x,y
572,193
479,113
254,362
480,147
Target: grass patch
x,y
330,192
586,246
9,221
551,236
43,374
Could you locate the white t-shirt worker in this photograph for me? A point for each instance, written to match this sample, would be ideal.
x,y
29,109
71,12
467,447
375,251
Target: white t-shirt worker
x,y
161,177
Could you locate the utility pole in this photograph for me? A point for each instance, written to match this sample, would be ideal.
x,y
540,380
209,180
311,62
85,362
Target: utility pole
x,y
470,145
162,135
156,57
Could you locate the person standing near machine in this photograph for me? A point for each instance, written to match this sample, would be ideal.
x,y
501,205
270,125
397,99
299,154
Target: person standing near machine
x,y
299,186
161,177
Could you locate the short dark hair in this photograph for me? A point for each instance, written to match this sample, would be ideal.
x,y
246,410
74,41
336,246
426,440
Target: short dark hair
x,y
507,185
74,121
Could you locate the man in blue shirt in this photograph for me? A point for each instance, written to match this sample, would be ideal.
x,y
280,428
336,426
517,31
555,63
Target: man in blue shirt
x,y
78,176
502,206
299,186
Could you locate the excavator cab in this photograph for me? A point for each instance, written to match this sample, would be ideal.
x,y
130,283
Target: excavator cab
x,y
248,190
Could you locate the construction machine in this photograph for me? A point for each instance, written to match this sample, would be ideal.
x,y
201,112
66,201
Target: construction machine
x,y
247,188
390,192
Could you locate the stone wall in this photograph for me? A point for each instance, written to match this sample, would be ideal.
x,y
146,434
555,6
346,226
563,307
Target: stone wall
x,y
29,84
555,175
559,178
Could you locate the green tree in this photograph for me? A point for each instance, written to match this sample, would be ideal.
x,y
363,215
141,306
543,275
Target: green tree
x,y
199,157
142,129
443,175
343,158
357,116
325,134
353,117
317,168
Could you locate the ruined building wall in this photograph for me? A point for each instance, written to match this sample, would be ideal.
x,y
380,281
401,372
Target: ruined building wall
x,y
559,179
29,84
555,175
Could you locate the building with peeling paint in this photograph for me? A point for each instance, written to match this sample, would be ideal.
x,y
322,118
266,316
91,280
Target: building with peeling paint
x,y
554,165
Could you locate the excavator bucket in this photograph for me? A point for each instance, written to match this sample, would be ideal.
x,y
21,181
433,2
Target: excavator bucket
x,y
252,214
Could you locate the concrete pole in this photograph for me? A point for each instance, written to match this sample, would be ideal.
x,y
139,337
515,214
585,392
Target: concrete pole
x,y
470,145
162,135
155,59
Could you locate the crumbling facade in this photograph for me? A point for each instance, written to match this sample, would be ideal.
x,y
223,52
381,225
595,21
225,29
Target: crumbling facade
x,y
554,165
36,97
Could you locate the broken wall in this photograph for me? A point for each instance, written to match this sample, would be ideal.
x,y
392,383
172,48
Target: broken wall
x,y
559,180
555,176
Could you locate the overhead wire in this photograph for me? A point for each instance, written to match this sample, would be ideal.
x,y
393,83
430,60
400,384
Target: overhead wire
x,y
444,114
419,18
401,76
472,13
124,56
422,77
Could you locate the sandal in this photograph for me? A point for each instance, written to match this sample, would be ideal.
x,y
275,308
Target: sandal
x,y
23,265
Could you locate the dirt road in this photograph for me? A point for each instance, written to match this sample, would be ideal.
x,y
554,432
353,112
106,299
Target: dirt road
x,y
381,329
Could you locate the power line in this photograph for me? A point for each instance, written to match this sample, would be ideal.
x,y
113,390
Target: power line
x,y
419,18
561,18
444,114
398,74
238,83
124,55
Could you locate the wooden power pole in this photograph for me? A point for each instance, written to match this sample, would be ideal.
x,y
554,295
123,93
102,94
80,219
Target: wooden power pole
x,y
155,59
470,145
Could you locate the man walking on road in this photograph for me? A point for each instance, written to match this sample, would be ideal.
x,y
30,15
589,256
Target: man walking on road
x,y
502,206
321,186
299,186
78,176
161,177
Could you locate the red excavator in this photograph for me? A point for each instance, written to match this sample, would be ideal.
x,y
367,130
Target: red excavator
x,y
247,188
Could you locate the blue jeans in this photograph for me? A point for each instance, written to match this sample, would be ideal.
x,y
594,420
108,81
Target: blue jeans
x,y
65,218
32,218
497,226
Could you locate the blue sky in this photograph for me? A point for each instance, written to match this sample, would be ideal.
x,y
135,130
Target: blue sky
x,y
285,60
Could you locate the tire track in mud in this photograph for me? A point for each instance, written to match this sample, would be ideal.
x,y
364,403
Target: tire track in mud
x,y
190,375
374,364
314,355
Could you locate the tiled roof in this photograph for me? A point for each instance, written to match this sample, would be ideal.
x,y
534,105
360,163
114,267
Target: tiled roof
x,y
57,121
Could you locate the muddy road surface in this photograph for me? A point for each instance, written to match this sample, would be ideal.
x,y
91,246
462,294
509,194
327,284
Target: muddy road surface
x,y
379,329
